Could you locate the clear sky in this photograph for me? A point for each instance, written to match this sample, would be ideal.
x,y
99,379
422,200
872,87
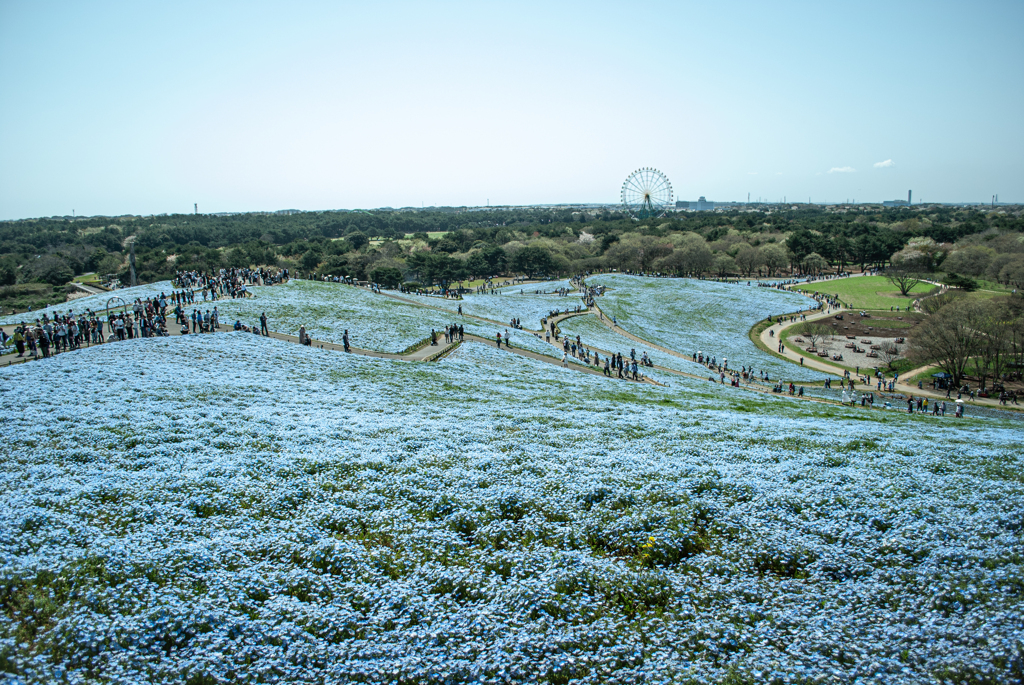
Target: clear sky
x,y
146,107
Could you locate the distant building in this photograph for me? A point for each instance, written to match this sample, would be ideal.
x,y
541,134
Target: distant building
x,y
700,205
895,203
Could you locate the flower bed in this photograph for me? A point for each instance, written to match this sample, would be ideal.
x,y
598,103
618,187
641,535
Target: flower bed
x,y
690,315
295,515
374,322
528,308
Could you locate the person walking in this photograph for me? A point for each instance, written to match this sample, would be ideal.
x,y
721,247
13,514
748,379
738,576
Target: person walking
x,y
19,340
263,325
344,340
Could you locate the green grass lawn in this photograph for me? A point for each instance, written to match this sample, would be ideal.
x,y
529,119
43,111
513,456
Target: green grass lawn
x,y
867,292
994,286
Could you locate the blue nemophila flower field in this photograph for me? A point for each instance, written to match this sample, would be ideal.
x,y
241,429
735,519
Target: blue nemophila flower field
x,y
689,315
229,508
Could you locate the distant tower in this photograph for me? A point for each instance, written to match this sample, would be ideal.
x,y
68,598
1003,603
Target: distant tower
x,y
131,262
909,195
196,206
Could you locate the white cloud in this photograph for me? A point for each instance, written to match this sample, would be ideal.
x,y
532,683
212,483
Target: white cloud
x,y
778,173
841,170
885,165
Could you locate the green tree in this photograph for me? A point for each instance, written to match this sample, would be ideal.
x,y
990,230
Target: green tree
x,y
357,239
387,276
903,277
52,269
814,263
311,259
775,258
969,261
725,265
8,272
533,259
748,259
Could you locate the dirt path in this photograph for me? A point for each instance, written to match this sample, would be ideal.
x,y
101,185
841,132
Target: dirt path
x,y
816,363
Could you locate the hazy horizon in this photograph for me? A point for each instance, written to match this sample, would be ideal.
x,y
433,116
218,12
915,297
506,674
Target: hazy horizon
x,y
119,108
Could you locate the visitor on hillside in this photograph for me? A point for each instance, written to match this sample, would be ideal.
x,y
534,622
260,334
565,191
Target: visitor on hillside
x,y
344,341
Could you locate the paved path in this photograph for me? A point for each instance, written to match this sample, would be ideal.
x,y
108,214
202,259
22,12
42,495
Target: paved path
x,y
91,289
817,363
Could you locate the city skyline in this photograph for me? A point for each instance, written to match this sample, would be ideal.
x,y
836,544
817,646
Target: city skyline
x,y
114,108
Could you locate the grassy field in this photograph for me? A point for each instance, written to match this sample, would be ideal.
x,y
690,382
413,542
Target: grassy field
x,y
433,235
90,278
868,292
994,286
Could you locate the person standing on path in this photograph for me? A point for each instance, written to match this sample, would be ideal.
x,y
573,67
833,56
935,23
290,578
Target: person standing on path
x,y
263,325
344,340
498,339
565,359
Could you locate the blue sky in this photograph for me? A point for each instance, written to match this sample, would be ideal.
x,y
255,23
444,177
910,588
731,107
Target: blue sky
x,y
117,108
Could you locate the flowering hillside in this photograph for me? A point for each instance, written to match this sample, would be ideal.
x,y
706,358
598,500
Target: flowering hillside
x,y
688,316
230,508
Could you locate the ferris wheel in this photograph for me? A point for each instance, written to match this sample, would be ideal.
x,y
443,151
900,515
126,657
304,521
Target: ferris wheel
x,y
646,194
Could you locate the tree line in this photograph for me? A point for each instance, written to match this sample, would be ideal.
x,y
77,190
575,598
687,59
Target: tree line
x,y
440,245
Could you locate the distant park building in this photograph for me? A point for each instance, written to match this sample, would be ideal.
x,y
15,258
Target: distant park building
x,y
700,205
899,203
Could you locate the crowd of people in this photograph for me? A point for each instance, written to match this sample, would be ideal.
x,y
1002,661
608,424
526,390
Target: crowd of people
x,y
227,282
47,335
